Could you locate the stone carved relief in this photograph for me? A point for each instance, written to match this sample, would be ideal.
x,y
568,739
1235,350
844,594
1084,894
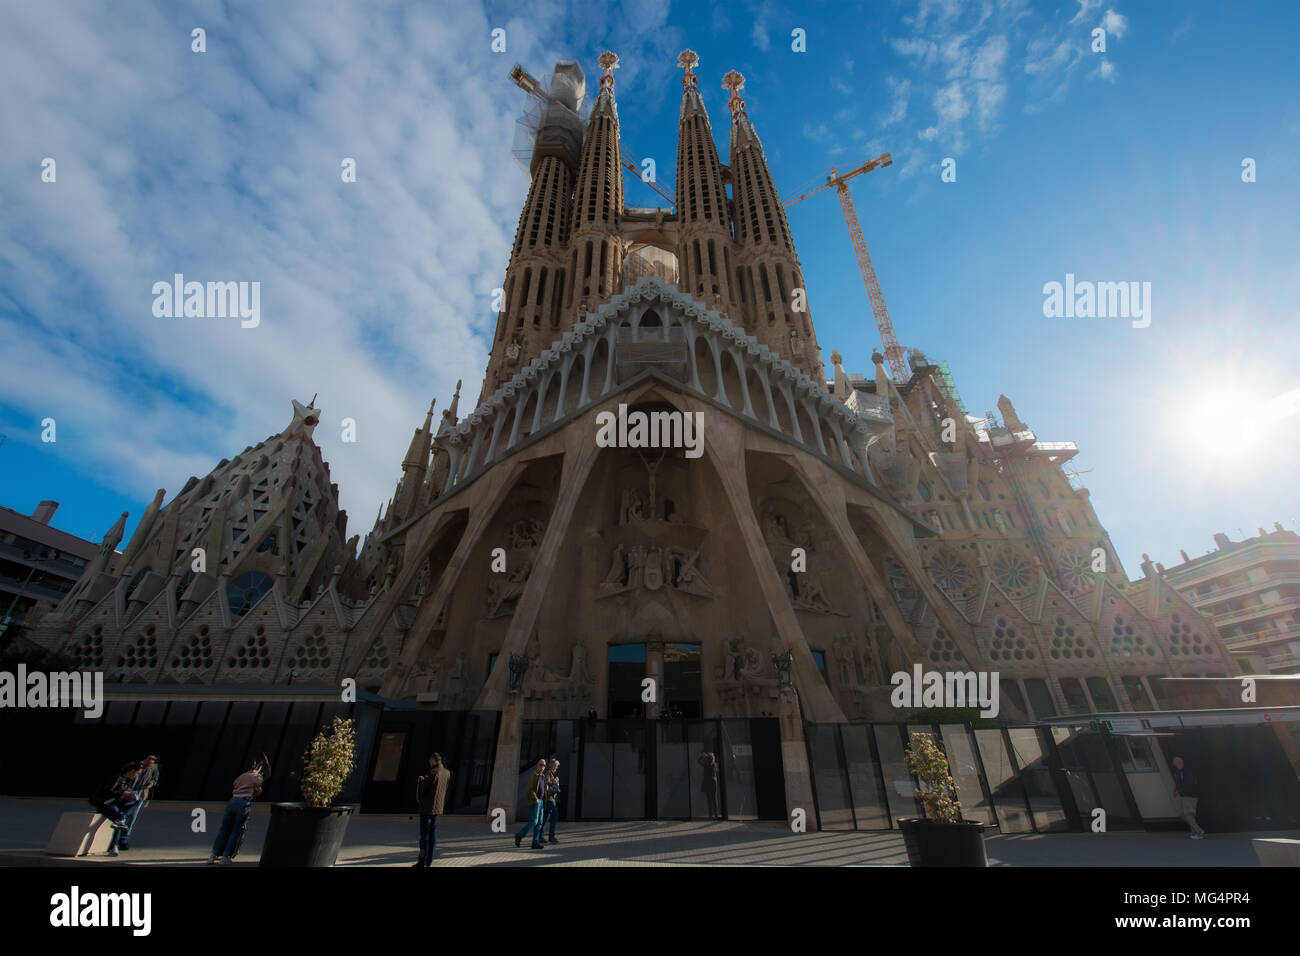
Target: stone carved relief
x,y
523,537
804,587
655,567
741,682
652,546
542,683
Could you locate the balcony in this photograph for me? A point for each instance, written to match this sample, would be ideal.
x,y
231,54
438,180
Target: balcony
x,y
57,566
1225,592
1287,659
1259,610
1261,637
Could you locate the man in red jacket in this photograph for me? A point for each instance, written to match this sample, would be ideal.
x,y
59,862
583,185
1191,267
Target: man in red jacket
x,y
432,796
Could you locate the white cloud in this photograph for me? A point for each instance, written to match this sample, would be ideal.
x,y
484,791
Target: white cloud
x,y
1115,24
900,90
958,55
1044,57
1085,11
225,166
1106,70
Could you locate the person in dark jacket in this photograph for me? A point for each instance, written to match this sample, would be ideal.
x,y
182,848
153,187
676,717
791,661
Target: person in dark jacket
x,y
431,794
552,798
709,782
115,800
142,787
535,795
1187,793
127,785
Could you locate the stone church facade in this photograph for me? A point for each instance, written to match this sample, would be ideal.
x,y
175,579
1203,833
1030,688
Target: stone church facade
x,y
834,531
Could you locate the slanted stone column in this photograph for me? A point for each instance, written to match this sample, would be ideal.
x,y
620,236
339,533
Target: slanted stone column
x,y
579,456
794,759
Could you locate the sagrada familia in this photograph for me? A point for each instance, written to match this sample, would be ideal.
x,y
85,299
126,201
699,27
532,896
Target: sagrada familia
x,y
837,529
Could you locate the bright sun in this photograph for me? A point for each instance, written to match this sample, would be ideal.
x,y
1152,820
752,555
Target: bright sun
x,y
1233,425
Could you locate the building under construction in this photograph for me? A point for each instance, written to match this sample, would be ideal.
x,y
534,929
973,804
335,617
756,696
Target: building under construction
x,y
527,591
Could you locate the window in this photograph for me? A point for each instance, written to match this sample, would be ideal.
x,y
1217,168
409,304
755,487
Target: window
x,y
1102,696
245,591
1074,696
1134,754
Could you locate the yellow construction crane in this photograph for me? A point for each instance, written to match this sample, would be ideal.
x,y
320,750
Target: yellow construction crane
x,y
526,82
893,352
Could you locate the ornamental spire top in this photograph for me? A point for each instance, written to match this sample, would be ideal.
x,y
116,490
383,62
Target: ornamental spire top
x,y
687,60
608,63
735,82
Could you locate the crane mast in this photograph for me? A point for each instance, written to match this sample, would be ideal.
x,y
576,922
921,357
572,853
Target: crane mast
x,y
892,350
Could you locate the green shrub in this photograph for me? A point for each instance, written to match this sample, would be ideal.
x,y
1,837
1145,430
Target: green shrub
x,y
328,763
926,759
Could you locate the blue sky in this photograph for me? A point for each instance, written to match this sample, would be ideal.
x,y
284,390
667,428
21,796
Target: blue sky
x,y
1122,166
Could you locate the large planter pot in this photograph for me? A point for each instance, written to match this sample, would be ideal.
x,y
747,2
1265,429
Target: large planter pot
x,y
930,843
299,835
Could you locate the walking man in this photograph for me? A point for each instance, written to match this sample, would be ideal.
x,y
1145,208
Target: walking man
x,y
247,786
552,796
1188,791
536,798
432,796
142,786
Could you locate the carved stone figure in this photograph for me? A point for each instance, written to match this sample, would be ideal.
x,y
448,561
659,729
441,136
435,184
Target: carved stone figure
x,y
653,577
636,566
617,573
635,506
507,587
735,659
578,672
846,661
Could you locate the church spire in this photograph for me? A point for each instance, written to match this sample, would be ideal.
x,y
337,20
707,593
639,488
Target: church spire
x,y
529,319
771,280
704,239
596,249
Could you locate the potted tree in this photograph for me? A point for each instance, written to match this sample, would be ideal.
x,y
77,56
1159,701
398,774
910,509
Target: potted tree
x,y
311,833
942,837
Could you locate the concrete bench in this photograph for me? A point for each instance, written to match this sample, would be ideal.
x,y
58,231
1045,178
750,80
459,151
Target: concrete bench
x,y
1277,851
80,834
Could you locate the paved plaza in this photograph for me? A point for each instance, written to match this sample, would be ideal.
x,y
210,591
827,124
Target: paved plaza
x,y
164,836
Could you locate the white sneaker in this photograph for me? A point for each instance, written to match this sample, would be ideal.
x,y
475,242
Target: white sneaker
x,y
1198,836
226,861
212,859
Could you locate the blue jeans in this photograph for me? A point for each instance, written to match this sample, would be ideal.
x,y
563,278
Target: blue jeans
x,y
232,821
133,815
128,817
428,839
535,823
549,819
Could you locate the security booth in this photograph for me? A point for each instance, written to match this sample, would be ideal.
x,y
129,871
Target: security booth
x,y
1244,777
